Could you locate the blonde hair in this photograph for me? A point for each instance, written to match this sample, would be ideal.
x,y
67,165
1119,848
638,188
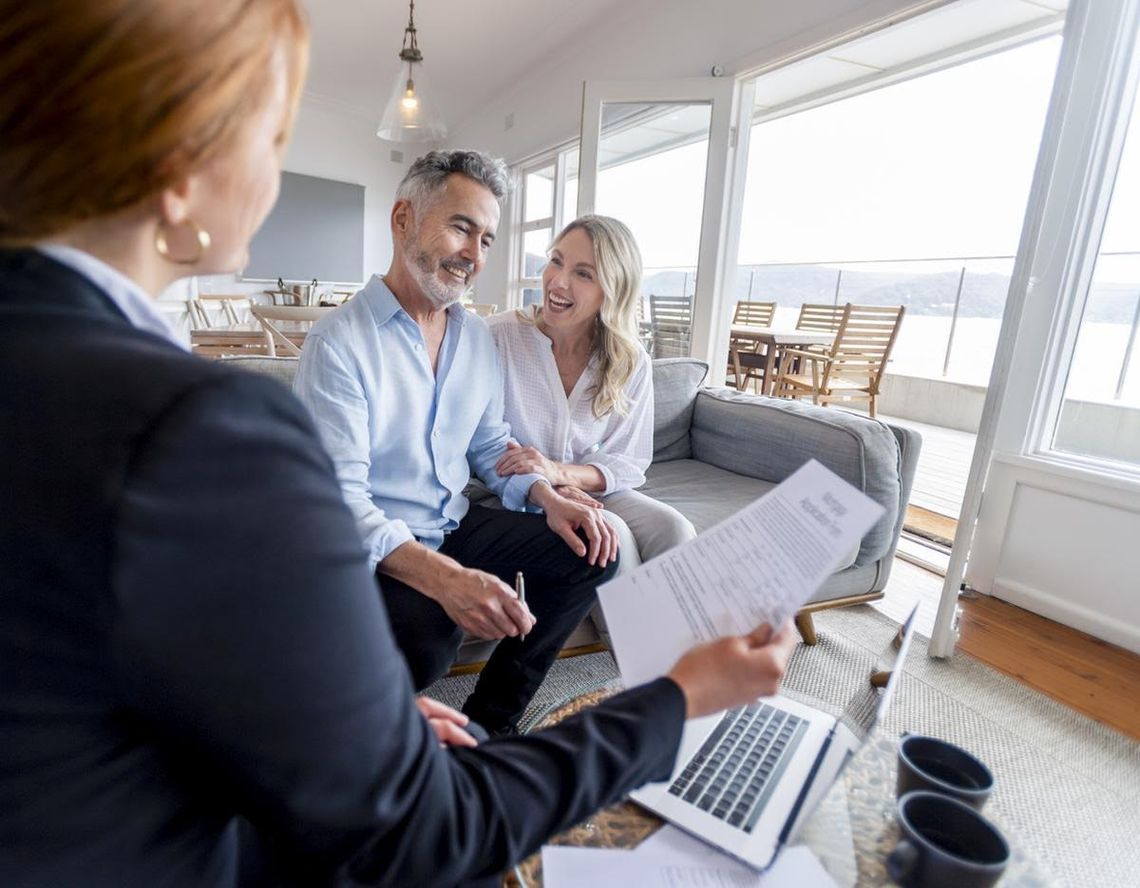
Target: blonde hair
x,y
618,263
103,104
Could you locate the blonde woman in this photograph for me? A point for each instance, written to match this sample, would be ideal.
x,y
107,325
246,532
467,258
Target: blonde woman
x,y
578,385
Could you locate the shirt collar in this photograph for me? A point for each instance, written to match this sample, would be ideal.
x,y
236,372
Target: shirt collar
x,y
384,304
128,297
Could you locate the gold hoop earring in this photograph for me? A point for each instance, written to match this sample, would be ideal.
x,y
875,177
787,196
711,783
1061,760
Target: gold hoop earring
x,y
162,247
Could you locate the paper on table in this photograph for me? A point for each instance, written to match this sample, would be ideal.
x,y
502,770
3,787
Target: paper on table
x,y
675,864
758,566
673,845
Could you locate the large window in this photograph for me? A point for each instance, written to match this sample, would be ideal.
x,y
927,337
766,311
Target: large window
x,y
911,194
1100,411
548,200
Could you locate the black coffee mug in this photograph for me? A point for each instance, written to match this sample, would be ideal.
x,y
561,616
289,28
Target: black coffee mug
x,y
945,844
935,765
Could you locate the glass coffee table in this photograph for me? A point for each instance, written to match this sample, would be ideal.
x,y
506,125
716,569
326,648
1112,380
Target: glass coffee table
x,y
851,832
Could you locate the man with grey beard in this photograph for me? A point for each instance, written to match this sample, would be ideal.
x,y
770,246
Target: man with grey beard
x,y
405,389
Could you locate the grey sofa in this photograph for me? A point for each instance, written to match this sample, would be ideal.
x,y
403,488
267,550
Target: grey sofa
x,y
716,450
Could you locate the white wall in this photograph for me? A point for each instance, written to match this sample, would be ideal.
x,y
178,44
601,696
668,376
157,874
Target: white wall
x,y
330,143
1062,544
648,40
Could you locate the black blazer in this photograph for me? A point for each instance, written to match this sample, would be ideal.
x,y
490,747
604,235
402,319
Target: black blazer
x,y
189,636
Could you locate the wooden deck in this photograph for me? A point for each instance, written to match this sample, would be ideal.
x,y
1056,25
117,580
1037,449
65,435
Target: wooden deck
x,y
943,467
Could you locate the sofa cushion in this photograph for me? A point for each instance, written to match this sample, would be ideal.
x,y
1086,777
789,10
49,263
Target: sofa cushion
x,y
706,495
675,385
769,438
281,369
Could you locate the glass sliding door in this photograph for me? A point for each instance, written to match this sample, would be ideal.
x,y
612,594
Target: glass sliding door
x,y
1057,526
653,156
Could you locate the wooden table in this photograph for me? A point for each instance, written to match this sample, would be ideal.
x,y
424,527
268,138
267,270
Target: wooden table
x,y
244,339
851,832
773,339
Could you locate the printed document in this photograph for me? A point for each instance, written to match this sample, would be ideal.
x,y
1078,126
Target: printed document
x,y
758,566
672,859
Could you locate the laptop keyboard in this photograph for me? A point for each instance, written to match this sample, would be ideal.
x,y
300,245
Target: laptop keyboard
x,y
735,771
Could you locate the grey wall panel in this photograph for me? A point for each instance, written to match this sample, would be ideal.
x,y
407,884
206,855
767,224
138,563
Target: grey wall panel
x,y
316,230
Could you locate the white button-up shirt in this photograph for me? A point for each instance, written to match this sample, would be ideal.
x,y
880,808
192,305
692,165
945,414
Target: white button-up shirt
x,y
564,428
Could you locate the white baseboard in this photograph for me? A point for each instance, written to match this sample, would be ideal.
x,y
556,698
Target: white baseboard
x,y
1068,613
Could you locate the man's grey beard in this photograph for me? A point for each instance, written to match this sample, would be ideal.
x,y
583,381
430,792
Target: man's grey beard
x,y
424,271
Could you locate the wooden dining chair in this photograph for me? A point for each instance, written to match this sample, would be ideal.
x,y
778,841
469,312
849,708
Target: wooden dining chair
x,y
228,304
852,369
671,325
271,315
745,359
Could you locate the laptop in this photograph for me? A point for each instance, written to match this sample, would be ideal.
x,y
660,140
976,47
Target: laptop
x,y
746,779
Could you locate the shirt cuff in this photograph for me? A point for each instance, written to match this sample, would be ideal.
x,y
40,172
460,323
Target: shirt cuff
x,y
514,495
393,535
607,476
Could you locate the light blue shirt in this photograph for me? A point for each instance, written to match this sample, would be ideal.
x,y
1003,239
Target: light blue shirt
x,y
405,440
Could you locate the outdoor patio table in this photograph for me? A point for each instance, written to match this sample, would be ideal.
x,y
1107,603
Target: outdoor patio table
x,y
773,339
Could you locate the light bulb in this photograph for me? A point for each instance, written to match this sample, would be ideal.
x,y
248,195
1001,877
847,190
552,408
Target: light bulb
x,y
409,101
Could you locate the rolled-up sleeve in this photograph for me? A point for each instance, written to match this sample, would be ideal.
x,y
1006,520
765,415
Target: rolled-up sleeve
x,y
626,451
337,403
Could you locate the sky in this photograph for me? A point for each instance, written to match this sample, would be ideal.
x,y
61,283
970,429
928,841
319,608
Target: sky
x,y
937,166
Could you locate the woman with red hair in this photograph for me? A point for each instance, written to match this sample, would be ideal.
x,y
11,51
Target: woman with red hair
x,y
193,692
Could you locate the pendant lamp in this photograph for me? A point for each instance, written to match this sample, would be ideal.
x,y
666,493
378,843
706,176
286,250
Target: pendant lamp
x,y
409,115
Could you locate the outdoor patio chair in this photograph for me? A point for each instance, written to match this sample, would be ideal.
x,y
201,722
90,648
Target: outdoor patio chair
x,y
745,360
852,368
671,325
820,316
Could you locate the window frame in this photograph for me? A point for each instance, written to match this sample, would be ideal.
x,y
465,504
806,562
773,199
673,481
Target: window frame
x,y
558,158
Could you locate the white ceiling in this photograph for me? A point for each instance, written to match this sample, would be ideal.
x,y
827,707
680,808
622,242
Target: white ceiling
x,y
940,37
471,51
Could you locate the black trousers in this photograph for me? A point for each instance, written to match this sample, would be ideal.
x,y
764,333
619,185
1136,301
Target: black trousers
x,y
559,592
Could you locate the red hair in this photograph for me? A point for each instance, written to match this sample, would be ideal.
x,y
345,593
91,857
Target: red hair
x,y
104,103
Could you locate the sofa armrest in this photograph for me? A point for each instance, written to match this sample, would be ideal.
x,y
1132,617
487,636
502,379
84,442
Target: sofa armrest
x,y
770,438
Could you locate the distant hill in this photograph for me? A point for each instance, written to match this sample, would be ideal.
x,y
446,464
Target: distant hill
x,y
983,295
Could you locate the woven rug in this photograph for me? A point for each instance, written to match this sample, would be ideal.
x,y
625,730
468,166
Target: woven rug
x,y
1067,788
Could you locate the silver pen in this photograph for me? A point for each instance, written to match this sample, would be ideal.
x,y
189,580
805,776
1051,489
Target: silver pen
x,y
520,590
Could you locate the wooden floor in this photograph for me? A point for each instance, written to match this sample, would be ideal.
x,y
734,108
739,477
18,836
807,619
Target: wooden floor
x,y
1087,674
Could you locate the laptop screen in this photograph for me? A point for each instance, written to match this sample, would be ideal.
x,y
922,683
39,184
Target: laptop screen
x,y
854,726
866,708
